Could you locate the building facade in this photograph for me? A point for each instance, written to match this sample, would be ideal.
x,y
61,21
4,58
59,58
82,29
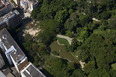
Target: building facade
x,y
5,7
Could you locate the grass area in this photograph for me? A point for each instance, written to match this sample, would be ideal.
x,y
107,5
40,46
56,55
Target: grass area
x,y
114,66
62,52
63,41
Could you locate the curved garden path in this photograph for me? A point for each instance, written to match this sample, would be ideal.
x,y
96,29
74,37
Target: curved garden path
x,y
65,37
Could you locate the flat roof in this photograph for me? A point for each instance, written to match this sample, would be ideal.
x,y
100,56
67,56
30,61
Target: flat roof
x,y
9,43
32,71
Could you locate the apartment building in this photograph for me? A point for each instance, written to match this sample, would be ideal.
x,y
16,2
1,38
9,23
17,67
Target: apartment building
x,y
12,51
27,5
16,57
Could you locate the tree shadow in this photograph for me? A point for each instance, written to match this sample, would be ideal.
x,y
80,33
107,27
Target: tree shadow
x,y
46,73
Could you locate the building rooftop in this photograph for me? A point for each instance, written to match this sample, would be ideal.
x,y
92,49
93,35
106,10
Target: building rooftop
x,y
32,71
8,16
9,43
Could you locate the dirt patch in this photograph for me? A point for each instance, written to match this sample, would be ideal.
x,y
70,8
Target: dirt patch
x,y
32,32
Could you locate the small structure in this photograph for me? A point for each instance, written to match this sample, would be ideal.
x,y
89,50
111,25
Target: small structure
x,y
31,71
2,63
13,18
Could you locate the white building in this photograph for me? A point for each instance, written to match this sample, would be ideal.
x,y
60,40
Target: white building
x,y
16,56
31,71
27,5
12,51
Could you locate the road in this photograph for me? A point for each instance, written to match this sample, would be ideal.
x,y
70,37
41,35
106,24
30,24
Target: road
x,y
65,37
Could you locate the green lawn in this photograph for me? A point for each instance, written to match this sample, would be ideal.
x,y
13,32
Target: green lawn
x,y
63,41
62,52
114,66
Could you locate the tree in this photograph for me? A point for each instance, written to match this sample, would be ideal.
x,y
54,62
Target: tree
x,y
104,15
84,34
34,13
112,23
70,25
99,73
56,66
74,45
61,16
36,60
78,73
50,29
84,19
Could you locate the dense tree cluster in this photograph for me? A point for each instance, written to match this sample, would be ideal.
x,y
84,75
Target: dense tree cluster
x,y
94,40
60,68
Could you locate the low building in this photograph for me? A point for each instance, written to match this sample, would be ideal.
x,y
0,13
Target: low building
x,y
31,71
28,5
2,63
13,18
5,7
12,51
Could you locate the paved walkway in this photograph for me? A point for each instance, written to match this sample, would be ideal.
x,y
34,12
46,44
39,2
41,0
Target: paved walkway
x,y
94,19
65,37
81,63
